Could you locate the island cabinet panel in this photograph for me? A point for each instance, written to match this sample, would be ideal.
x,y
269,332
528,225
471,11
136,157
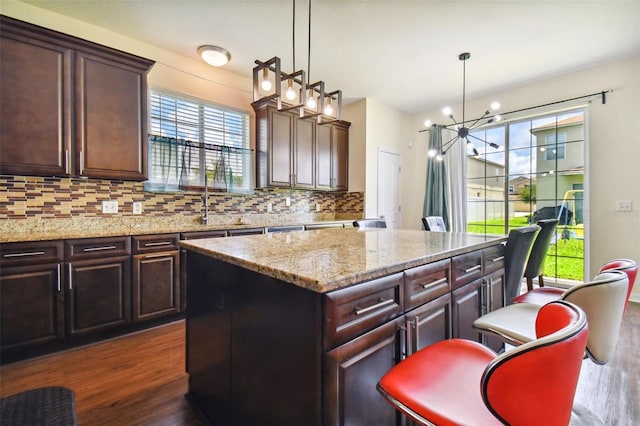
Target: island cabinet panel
x,y
254,352
428,324
466,304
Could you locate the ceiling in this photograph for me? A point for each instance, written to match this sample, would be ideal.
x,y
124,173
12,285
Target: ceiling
x,y
403,54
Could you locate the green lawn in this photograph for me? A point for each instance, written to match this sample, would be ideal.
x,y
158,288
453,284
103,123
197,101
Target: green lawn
x,y
565,258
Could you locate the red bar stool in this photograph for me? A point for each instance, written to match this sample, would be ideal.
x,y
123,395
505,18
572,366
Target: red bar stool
x,y
458,381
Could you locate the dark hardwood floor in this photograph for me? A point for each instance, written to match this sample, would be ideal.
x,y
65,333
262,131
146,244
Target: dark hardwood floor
x,y
140,379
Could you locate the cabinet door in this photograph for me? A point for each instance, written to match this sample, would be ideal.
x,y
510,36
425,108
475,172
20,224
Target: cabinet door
x,y
493,299
110,118
304,160
340,159
428,324
352,372
156,285
31,302
280,148
467,307
323,157
35,99
99,293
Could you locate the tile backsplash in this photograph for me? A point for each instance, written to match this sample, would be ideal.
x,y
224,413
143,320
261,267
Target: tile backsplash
x,y
33,198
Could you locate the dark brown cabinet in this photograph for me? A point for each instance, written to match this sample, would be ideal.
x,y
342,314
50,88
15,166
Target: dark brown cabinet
x,y
70,107
156,276
31,294
98,284
299,153
352,372
479,288
332,156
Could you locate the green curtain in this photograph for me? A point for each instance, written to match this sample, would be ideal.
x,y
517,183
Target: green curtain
x,y
435,198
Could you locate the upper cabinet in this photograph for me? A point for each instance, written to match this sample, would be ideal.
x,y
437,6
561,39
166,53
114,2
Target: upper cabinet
x,y
70,107
299,153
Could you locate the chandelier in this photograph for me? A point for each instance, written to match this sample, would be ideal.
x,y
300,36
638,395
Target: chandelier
x,y
462,128
294,90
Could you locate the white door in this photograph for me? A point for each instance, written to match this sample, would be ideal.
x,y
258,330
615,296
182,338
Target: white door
x,y
389,188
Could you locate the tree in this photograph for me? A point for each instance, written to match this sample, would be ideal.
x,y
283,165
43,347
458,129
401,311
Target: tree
x,y
527,194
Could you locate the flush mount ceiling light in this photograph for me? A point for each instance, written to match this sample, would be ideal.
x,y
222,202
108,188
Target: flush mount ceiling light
x,y
214,55
294,90
462,130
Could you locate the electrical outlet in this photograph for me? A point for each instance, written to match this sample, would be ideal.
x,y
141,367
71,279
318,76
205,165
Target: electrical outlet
x,y
287,201
137,207
318,207
624,206
269,207
110,206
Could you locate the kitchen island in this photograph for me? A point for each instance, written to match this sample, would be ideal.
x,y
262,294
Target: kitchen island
x,y
297,328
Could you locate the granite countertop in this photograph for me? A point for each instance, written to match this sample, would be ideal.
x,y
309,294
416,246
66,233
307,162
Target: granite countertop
x,y
329,259
52,229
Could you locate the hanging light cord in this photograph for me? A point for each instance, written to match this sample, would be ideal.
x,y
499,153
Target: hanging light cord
x,y
309,48
293,37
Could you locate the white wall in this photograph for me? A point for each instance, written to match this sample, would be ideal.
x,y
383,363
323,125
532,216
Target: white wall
x,y
613,155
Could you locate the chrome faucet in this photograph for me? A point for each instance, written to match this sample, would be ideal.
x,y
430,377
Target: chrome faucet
x,y
205,201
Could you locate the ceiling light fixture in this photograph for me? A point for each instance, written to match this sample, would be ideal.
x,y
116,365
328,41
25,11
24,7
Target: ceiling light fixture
x,y
460,128
214,55
269,83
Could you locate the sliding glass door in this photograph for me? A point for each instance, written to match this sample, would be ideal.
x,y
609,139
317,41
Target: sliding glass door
x,y
536,172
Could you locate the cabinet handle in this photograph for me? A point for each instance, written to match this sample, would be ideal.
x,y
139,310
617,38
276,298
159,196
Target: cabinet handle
x,y
161,243
25,254
153,256
436,282
90,249
59,274
67,161
380,304
70,277
472,269
498,259
81,162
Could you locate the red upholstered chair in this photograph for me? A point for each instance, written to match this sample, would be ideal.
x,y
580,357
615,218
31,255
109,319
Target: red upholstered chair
x,y
542,295
459,381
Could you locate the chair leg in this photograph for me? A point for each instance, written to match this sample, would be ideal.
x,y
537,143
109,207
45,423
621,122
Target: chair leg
x,y
540,281
529,284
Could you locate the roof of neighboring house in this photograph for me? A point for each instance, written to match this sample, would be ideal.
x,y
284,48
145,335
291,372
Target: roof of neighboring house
x,y
569,121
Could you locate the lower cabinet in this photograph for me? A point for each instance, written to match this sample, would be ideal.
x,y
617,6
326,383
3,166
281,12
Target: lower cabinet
x,y
31,295
156,276
99,295
466,303
428,324
352,372
98,284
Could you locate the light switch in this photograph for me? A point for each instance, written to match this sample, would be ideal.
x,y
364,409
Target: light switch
x,y
269,207
137,207
624,206
287,201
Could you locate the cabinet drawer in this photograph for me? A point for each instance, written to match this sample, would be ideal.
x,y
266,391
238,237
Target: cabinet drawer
x,y
92,248
493,258
154,243
218,233
38,252
355,310
427,282
466,268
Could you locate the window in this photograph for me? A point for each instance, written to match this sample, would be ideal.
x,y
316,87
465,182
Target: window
x,y
554,146
518,184
193,143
